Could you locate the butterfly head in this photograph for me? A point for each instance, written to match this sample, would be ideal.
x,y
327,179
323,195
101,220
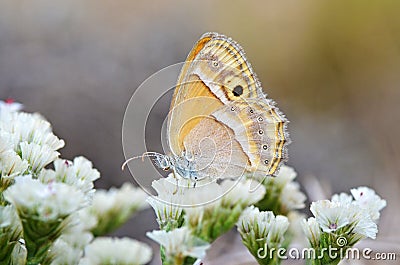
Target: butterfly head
x,y
162,161
182,165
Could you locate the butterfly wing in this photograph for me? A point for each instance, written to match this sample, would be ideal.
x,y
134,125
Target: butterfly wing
x,y
215,79
214,68
215,151
260,129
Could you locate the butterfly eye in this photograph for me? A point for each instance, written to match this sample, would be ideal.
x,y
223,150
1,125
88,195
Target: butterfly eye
x,y
266,161
215,63
233,108
260,119
260,131
265,147
251,111
237,91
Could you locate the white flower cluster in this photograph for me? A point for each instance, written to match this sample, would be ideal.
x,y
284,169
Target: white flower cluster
x,y
110,209
45,214
27,143
262,230
354,216
198,214
255,226
180,243
116,251
78,173
283,192
34,199
69,247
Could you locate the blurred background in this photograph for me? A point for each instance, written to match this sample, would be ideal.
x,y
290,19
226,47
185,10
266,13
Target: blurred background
x,y
332,66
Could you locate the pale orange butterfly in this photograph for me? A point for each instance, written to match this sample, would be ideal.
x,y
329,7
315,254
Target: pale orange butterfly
x,y
220,124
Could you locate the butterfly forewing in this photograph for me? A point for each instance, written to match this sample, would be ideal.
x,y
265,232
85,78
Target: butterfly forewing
x,y
215,68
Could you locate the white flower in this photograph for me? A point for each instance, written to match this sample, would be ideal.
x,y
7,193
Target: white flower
x,y
342,199
9,105
288,191
45,201
31,128
77,234
368,200
330,215
311,230
295,226
29,135
253,218
285,175
256,225
166,212
19,254
116,251
6,216
5,145
185,192
170,185
126,199
11,164
176,194
202,199
9,222
239,192
62,253
292,197
277,229
113,207
361,222
132,196
84,169
79,173
103,202
87,219
180,243
206,195
37,155
8,141
69,247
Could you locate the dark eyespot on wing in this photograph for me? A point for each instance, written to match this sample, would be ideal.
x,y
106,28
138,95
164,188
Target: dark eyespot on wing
x,y
237,91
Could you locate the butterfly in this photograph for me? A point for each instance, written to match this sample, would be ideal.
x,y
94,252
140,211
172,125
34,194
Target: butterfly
x,y
221,124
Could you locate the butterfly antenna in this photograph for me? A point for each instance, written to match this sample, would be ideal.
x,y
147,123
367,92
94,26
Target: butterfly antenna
x,y
145,154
